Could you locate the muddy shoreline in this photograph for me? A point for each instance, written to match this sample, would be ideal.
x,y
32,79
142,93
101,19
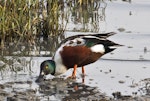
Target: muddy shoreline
x,y
63,90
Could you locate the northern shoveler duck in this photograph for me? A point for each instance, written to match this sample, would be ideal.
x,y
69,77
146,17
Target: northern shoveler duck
x,y
78,51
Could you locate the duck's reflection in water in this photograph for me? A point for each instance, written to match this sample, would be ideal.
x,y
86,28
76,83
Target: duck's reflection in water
x,y
68,89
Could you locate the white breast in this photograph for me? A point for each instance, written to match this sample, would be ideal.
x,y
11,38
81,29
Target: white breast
x,y
60,68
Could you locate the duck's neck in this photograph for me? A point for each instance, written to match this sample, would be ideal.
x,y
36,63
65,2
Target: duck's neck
x,y
60,69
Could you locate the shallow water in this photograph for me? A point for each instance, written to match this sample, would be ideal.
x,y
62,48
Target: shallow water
x,y
125,70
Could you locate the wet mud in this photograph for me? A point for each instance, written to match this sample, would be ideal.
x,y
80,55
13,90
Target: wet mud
x,y
61,89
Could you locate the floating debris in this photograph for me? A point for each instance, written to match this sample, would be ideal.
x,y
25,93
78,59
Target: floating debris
x,y
127,76
121,29
130,46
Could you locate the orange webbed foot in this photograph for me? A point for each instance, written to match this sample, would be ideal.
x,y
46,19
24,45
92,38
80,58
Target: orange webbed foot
x,y
73,76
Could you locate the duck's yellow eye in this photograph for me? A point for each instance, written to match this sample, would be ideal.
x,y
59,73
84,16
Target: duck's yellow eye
x,y
46,67
46,70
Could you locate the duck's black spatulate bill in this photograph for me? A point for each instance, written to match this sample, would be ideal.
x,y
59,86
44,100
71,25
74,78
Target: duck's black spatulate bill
x,y
40,79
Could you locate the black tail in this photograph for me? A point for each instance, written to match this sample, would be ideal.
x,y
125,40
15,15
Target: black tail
x,y
109,45
109,48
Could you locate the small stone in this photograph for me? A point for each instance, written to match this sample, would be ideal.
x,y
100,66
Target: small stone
x,y
89,88
91,79
127,76
106,72
95,91
29,82
12,99
145,49
80,87
21,93
65,91
130,46
121,81
3,93
116,94
53,82
121,29
20,82
83,92
2,86
83,99
144,67
31,91
112,77
132,86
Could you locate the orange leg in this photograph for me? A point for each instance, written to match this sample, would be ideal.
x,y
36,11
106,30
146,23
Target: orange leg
x,y
83,71
74,72
83,74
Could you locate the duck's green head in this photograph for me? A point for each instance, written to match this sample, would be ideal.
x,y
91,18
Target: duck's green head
x,y
47,67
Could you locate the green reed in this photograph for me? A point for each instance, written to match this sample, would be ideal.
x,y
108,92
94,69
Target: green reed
x,y
25,19
24,22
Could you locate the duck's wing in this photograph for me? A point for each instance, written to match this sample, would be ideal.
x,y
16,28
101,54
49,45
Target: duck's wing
x,y
95,41
102,35
88,41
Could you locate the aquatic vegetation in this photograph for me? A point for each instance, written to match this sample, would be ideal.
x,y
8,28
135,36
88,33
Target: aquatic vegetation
x,y
25,21
26,25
